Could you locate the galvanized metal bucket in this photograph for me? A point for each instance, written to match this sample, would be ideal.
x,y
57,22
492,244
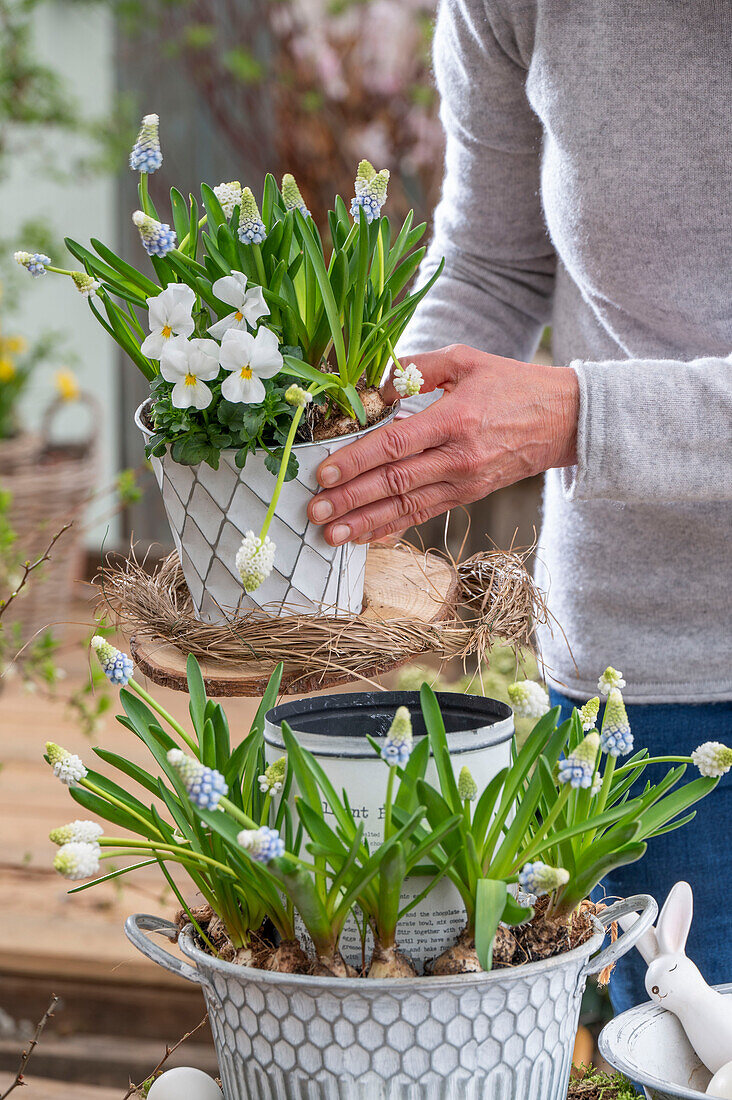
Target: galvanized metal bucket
x,y
209,512
334,728
649,1045
507,1035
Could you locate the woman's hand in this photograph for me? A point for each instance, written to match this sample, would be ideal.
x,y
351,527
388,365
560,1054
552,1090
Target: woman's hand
x,y
498,421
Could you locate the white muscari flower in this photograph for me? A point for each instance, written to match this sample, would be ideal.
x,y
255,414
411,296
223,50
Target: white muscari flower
x,y
713,759
85,284
589,712
262,844
296,395
204,786
610,678
169,314
616,738
273,778
146,155
229,196
77,860
77,832
252,229
248,359
116,665
190,364
539,878
407,381
528,699
158,239
255,560
67,766
249,305
399,740
467,787
370,187
291,196
578,768
34,263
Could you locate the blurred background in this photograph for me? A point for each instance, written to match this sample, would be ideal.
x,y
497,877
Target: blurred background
x,y
242,87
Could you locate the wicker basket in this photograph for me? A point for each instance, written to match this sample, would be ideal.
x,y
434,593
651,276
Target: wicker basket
x,y
50,490
19,452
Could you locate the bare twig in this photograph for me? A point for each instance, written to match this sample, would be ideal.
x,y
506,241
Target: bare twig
x,y
132,1090
28,568
27,1054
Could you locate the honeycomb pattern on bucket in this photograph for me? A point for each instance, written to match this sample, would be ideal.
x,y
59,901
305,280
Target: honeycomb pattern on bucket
x,y
209,512
503,1039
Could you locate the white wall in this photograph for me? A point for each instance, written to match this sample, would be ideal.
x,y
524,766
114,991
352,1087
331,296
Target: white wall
x,y
78,42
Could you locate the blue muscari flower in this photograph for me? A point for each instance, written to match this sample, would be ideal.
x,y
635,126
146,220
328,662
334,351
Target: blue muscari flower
x,y
579,767
34,263
616,738
146,155
539,878
252,229
204,786
370,188
262,844
116,665
398,745
158,239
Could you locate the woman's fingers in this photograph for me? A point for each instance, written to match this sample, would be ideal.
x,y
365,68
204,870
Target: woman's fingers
x,y
436,367
389,481
388,444
397,513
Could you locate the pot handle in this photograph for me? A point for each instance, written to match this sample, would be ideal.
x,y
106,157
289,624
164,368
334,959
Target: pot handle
x,y
135,928
639,903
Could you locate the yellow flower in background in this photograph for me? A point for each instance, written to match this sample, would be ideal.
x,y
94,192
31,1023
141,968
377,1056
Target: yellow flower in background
x,y
67,386
7,369
16,345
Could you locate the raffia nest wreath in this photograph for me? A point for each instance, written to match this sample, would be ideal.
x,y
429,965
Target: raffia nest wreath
x,y
416,603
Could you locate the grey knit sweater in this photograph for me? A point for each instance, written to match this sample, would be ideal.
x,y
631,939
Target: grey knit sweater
x,y
587,186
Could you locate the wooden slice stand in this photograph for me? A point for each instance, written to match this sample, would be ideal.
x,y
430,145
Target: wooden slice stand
x,y
400,584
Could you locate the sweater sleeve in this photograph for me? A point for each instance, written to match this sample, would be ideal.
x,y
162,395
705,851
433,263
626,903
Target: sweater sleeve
x,y
495,291
655,430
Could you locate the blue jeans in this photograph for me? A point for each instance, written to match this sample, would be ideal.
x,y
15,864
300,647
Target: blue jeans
x,y
700,852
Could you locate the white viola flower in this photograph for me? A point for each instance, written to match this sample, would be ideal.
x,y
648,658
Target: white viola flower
x,y
77,860
255,560
249,305
190,364
610,678
78,832
713,759
229,196
407,381
67,766
528,699
248,359
169,314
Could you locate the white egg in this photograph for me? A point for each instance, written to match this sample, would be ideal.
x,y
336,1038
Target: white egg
x,y
721,1084
185,1083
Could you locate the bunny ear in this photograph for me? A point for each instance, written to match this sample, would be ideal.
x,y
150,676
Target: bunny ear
x,y
648,942
675,919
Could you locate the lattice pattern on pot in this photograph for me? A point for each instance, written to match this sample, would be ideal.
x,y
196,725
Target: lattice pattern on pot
x,y
209,512
502,1041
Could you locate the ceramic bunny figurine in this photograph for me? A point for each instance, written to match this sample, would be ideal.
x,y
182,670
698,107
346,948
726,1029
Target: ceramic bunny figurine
x,y
674,982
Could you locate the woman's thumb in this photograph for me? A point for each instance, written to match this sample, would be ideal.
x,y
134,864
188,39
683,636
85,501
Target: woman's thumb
x,y
413,374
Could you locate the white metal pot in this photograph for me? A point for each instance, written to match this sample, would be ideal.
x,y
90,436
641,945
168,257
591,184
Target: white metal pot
x,y
210,511
334,729
507,1035
649,1045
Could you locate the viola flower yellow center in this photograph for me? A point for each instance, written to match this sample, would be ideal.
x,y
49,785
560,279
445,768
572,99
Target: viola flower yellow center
x,y
246,372
167,331
239,316
7,370
191,379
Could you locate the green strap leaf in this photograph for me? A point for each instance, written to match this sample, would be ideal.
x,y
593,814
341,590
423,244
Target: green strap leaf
x,y
490,902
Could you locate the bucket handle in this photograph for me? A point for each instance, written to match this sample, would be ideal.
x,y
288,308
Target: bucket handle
x,y
639,903
135,928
